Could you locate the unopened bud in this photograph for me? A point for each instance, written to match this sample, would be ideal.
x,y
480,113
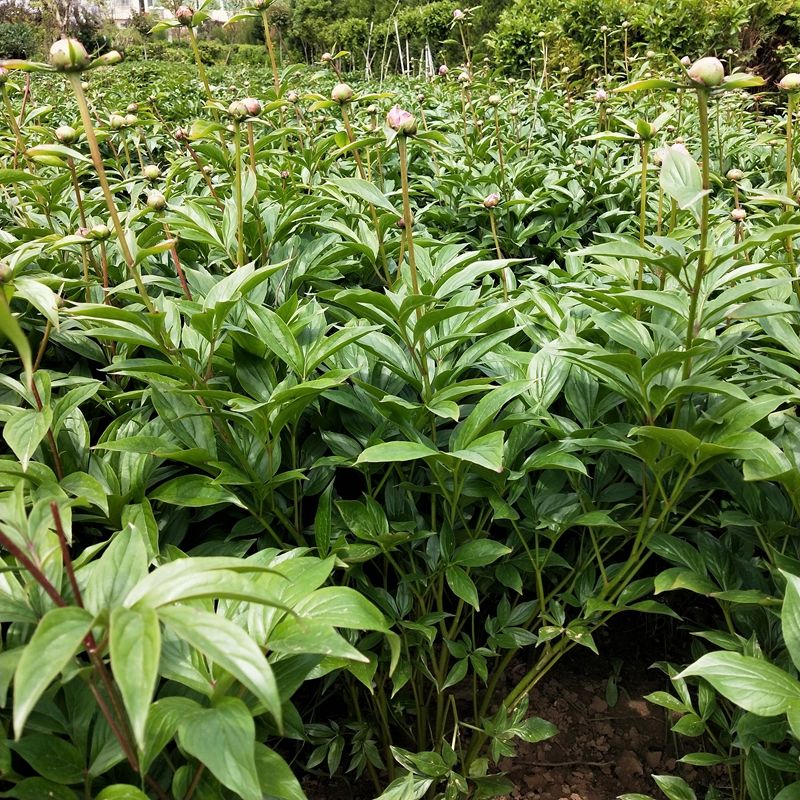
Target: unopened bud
x,y
495,99
116,122
156,201
184,15
707,71
292,97
601,96
253,106
108,59
492,200
151,172
237,110
133,108
100,233
458,15
69,55
66,134
790,82
686,61
443,70
341,93
131,120
326,57
402,121
734,175
738,215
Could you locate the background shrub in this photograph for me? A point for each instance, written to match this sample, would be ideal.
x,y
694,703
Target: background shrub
x,y
17,40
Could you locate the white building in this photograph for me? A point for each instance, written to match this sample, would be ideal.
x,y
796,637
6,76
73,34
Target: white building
x,y
121,10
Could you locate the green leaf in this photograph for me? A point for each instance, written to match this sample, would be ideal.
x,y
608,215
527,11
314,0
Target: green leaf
x,y
51,758
648,83
193,491
462,586
341,607
55,641
388,452
479,553
753,684
229,646
674,788
681,179
223,738
39,789
121,791
790,617
10,329
24,432
366,191
135,645
276,776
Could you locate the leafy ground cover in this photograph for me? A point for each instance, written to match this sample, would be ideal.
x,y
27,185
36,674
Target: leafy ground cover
x,y
334,419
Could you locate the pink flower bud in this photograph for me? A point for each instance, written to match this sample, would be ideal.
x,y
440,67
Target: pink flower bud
x,y
492,200
253,106
184,15
738,215
601,96
458,15
402,121
443,70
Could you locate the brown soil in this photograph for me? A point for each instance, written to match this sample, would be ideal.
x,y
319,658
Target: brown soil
x,y
600,751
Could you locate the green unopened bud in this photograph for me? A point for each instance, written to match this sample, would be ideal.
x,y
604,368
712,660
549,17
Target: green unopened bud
x,y
66,134
116,122
69,55
707,71
131,120
151,172
237,110
156,201
133,108
108,59
341,93
100,233
734,175
790,82
495,100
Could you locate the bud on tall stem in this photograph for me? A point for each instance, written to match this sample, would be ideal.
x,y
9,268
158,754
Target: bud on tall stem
x,y
74,79
697,286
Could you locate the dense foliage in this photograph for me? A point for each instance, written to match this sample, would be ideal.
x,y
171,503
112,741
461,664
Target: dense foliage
x,y
314,425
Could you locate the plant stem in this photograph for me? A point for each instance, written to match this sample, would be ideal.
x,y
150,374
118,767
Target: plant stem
x,y
201,70
276,78
94,148
645,146
694,297
237,155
